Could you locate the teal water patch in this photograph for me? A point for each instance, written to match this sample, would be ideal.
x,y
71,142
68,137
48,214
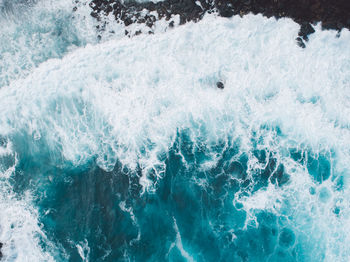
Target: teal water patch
x,y
194,213
319,165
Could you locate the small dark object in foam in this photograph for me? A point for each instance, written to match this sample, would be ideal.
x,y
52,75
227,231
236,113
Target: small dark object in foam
x,y
220,85
300,42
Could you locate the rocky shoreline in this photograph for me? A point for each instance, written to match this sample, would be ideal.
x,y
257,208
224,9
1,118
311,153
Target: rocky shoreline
x,y
333,14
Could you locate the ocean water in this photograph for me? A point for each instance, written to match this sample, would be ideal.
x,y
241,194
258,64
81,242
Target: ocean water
x,y
124,149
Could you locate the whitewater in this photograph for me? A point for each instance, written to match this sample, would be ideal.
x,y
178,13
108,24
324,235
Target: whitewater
x,y
124,149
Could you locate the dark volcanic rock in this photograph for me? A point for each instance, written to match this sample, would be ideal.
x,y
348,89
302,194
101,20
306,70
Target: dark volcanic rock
x,y
334,14
220,85
300,42
305,30
224,7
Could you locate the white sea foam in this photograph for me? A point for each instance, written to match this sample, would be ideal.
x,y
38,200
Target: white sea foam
x,y
179,245
126,99
83,250
20,231
36,30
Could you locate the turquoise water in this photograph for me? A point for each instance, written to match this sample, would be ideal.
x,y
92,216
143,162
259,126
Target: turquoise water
x,y
118,149
109,211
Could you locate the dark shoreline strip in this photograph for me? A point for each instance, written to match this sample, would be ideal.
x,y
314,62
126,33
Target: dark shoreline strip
x,y
334,14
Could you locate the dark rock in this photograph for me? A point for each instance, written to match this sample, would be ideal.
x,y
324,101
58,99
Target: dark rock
x,y
225,8
333,14
94,14
220,85
127,21
300,42
305,30
226,12
108,9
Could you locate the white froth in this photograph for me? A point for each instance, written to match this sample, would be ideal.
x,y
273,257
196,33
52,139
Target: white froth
x,y
20,231
35,31
138,92
83,250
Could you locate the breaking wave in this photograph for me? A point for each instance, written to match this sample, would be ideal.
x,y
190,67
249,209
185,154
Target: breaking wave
x,y
125,149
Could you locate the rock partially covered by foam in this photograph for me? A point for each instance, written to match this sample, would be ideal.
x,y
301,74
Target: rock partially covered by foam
x,y
0,250
332,14
149,12
220,85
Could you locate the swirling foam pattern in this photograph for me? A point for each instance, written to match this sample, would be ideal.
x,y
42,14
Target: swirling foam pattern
x,y
127,151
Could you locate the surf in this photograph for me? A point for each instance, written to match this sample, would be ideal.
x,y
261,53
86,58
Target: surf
x,y
126,149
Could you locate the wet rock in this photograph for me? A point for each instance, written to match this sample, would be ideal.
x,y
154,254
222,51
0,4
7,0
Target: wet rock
x,y
225,8
220,85
305,30
332,14
300,42
0,250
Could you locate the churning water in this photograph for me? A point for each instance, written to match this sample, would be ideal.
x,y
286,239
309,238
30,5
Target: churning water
x,y
125,150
